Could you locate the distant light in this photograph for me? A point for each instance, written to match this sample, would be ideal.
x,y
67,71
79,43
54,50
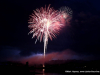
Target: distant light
x,y
84,66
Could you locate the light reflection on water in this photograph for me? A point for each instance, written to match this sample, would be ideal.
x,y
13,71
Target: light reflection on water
x,y
50,74
42,72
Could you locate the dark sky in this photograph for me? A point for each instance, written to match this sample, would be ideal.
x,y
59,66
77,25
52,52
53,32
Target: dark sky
x,y
80,39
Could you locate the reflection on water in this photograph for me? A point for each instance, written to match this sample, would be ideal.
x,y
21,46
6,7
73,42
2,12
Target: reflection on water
x,y
42,72
50,74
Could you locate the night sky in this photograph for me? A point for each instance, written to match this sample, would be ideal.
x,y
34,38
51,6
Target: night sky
x,y
79,40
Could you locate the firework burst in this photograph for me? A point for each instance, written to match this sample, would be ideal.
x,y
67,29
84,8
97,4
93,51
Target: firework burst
x,y
45,23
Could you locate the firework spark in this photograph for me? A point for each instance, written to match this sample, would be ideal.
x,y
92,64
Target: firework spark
x,y
45,23
66,12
